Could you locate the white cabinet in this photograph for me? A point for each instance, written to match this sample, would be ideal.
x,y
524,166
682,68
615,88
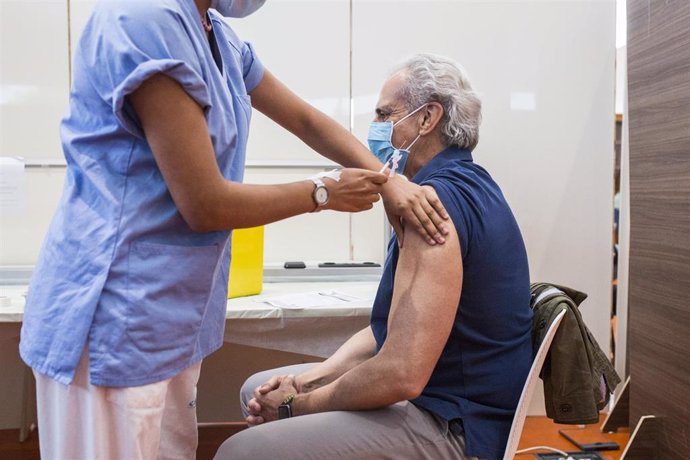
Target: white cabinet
x,y
34,77
306,44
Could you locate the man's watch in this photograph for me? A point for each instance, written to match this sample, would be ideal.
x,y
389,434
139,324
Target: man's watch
x,y
320,193
285,408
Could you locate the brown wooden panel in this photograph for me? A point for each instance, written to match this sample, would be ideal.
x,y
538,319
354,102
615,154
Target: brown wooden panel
x,y
659,297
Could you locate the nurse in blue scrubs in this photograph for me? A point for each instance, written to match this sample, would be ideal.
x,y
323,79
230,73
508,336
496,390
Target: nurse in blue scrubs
x,y
129,292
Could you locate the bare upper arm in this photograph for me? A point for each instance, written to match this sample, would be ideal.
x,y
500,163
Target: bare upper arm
x,y
176,130
426,295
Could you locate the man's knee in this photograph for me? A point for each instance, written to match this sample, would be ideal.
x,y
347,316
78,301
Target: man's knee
x,y
247,391
248,387
253,444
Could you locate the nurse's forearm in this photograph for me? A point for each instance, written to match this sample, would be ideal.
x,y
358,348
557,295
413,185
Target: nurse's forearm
x,y
331,140
212,203
235,205
320,132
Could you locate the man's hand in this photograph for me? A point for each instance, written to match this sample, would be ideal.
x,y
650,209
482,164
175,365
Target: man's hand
x,y
264,406
254,406
357,190
419,207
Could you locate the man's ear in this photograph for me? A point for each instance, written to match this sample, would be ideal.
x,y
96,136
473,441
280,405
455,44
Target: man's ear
x,y
431,117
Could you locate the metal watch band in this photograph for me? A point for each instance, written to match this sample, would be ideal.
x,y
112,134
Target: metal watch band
x,y
285,408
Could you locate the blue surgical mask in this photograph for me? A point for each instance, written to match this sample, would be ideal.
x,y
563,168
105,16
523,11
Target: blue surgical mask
x,y
381,141
236,8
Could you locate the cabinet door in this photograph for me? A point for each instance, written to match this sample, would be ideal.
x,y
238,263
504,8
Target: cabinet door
x,y
306,45
34,77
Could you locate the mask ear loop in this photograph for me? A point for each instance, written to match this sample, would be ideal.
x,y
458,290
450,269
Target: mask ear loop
x,y
403,119
412,143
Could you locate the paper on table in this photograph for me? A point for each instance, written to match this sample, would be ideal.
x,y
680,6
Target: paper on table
x,y
12,186
323,298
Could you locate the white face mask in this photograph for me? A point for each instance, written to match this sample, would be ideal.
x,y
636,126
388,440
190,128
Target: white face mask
x,y
236,8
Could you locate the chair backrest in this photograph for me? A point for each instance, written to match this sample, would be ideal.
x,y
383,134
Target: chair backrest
x,y
528,389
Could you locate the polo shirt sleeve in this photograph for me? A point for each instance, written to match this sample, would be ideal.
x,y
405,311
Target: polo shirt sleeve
x,y
458,208
137,41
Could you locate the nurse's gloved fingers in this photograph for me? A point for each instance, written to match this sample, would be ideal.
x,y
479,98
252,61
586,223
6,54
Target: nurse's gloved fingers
x,y
434,223
429,223
378,178
436,204
355,191
422,224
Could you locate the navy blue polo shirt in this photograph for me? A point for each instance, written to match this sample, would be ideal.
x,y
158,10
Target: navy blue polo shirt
x,y
483,367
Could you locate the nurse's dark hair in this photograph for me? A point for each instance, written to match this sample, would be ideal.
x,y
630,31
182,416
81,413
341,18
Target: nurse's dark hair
x,y
433,78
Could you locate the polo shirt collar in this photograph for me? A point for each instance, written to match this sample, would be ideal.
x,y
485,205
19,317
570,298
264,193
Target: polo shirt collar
x,y
451,153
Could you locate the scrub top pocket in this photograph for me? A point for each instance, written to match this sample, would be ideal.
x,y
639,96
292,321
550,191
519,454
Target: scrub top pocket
x,y
168,289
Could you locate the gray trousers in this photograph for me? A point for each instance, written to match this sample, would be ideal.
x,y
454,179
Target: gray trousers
x,y
400,431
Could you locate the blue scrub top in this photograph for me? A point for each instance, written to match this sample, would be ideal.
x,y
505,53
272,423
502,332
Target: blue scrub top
x,y
484,364
120,267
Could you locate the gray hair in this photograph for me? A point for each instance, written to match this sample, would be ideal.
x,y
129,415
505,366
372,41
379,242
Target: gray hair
x,y
433,78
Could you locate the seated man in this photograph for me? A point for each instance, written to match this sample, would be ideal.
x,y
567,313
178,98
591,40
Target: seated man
x,y
439,372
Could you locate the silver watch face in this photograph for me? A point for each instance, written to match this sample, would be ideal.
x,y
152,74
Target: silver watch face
x,y
321,195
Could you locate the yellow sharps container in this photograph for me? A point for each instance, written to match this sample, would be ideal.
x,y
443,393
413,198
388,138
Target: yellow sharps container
x,y
247,263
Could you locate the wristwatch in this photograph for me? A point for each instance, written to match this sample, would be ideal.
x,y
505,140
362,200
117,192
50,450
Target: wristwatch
x,y
320,193
285,408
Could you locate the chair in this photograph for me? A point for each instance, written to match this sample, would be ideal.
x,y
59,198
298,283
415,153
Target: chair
x,y
528,389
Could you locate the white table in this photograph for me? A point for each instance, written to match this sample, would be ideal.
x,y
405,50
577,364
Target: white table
x,y
316,331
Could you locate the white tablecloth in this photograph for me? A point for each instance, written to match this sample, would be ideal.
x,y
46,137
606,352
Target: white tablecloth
x,y
315,330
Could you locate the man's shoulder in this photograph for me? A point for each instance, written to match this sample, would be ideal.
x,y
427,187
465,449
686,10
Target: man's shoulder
x,y
462,180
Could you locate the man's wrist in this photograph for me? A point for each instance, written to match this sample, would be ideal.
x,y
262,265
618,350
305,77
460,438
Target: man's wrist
x,y
285,408
299,404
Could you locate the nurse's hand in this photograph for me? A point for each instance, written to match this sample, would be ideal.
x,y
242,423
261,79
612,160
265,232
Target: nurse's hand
x,y
357,190
419,207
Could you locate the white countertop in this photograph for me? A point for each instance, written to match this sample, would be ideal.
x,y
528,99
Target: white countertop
x,y
12,299
245,307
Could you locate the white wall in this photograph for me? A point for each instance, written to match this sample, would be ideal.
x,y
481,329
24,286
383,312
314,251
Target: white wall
x,y
34,76
552,153
545,70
